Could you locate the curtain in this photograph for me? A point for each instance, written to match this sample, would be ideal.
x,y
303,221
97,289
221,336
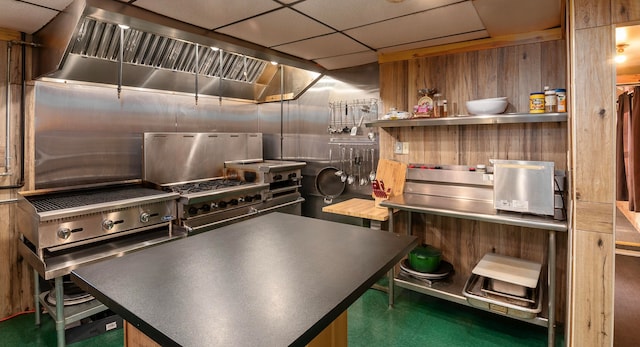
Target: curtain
x,y
628,149
634,152
622,150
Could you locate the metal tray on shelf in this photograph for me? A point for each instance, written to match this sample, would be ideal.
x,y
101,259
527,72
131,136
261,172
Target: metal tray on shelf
x,y
476,297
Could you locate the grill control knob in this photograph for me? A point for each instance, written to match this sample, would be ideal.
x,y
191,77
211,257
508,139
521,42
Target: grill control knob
x,y
64,233
107,224
222,204
233,201
248,198
144,217
193,210
293,175
277,177
214,205
205,208
257,197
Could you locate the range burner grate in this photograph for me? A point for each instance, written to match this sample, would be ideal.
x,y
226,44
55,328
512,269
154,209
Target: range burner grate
x,y
203,186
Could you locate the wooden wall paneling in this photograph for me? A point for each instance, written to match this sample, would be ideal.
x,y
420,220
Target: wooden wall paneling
x,y
394,85
487,78
625,11
529,73
15,276
478,144
507,78
595,115
461,75
3,106
592,13
553,60
592,316
440,145
554,143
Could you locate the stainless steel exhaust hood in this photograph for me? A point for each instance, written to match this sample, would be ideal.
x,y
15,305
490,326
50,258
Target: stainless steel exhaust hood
x,y
83,44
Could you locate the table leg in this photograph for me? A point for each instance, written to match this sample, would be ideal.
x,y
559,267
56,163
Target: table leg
x,y
36,295
391,274
59,311
551,283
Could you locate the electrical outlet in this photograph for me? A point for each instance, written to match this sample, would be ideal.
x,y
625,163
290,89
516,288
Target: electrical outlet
x,y
405,148
398,148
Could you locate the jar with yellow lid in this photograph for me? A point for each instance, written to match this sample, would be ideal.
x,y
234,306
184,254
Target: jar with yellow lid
x,y
536,102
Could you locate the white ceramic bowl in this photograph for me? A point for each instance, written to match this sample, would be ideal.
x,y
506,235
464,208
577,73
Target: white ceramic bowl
x,y
487,106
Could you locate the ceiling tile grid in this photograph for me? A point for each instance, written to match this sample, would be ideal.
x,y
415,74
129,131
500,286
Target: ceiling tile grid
x,y
330,32
276,28
25,17
208,14
440,22
322,47
348,14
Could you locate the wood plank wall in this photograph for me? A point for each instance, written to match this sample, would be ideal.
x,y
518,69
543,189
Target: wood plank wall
x,y
513,71
15,276
592,32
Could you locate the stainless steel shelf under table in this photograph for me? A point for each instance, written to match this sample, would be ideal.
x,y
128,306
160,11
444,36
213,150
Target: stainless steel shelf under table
x,y
481,211
56,267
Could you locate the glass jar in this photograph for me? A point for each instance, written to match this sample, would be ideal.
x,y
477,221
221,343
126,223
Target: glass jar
x,y
438,103
550,101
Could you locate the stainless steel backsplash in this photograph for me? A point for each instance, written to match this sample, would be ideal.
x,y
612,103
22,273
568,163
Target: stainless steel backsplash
x,y
85,135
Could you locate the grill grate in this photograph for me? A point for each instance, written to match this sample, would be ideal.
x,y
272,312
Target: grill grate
x,y
63,200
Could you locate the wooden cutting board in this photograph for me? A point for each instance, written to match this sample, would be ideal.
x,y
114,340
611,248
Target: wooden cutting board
x,y
360,208
393,174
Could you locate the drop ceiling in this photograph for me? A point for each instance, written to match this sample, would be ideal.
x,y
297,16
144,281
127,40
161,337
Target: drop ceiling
x,y
332,33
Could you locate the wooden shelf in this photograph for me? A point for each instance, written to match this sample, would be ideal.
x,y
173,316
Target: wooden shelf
x,y
508,118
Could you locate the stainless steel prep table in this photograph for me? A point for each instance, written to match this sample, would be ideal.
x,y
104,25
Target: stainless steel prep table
x,y
481,211
275,280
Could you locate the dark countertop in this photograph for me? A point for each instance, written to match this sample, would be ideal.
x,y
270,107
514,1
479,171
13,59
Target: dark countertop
x,y
274,280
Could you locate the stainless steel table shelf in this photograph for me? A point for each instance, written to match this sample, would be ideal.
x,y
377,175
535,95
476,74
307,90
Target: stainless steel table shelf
x,y
460,208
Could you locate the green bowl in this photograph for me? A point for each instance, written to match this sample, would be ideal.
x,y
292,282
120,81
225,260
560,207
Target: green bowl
x,y
425,258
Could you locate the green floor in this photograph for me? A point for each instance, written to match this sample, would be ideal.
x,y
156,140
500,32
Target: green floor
x,y
416,320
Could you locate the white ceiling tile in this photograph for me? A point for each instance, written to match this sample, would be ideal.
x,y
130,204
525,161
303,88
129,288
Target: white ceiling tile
x,y
348,60
440,22
436,42
23,17
322,47
276,28
347,14
518,16
208,14
49,4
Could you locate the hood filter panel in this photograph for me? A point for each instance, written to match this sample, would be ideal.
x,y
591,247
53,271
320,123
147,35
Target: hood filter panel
x,y
101,40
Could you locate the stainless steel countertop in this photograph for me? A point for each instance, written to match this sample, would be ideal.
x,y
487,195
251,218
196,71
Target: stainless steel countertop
x,y
471,209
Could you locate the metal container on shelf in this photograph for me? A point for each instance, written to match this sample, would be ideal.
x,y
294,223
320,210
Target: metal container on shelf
x,y
524,186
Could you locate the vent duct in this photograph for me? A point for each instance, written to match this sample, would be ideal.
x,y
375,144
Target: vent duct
x,y
83,43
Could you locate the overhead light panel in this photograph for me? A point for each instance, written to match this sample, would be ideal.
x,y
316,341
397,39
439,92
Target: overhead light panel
x,y
620,56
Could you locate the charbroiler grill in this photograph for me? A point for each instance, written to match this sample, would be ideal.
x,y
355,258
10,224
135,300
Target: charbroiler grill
x,y
58,226
65,228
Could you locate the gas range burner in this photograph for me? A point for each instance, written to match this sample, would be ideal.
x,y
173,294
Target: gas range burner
x,y
203,186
